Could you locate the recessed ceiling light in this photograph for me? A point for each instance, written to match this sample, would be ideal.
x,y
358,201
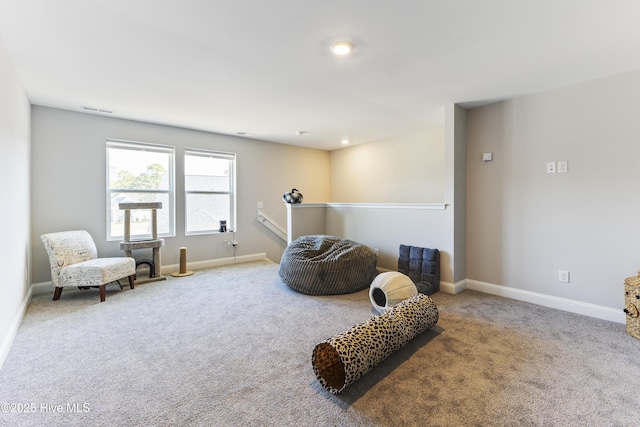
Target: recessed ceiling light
x,y
345,141
341,48
301,132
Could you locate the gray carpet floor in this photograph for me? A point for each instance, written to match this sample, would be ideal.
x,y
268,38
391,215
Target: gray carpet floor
x,y
231,346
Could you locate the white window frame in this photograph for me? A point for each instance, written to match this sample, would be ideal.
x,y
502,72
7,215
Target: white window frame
x,y
144,147
231,222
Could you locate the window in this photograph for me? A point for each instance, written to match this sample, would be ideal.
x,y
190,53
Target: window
x,y
138,172
209,183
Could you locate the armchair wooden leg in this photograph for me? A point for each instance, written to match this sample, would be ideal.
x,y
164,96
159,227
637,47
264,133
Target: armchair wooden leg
x,y
56,293
131,281
103,292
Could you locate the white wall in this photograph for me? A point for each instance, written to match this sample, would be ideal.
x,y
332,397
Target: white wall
x,y
381,226
455,191
69,182
385,228
408,169
523,225
15,169
306,219
426,168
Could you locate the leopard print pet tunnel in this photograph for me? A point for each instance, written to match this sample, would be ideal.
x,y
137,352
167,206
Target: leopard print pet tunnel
x,y
344,358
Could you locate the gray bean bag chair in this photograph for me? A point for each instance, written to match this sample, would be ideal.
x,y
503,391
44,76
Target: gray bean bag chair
x,y
327,265
422,265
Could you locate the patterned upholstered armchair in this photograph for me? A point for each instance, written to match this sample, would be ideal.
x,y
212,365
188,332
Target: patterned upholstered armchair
x,y
74,262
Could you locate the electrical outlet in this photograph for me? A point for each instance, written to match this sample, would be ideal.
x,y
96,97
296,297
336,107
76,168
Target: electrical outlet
x,y
551,167
563,276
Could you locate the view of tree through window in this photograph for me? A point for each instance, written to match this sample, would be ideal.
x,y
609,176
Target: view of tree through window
x,y
147,180
139,173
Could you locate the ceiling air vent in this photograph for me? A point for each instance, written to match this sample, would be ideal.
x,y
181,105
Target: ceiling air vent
x,y
97,110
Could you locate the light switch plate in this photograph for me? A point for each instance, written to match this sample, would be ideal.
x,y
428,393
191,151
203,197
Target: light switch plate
x,y
563,167
563,276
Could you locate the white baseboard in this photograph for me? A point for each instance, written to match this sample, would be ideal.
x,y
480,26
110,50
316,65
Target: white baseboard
x,y
572,306
13,330
45,287
452,288
199,265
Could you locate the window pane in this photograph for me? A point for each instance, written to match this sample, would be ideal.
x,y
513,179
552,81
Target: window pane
x,y
140,219
204,211
206,183
139,170
209,190
206,173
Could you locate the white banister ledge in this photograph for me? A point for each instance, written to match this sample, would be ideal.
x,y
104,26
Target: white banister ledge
x,y
417,206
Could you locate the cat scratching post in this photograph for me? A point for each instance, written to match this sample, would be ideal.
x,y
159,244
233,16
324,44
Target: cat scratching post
x,y
154,243
183,265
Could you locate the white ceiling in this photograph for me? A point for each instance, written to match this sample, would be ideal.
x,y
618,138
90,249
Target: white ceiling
x,y
264,66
